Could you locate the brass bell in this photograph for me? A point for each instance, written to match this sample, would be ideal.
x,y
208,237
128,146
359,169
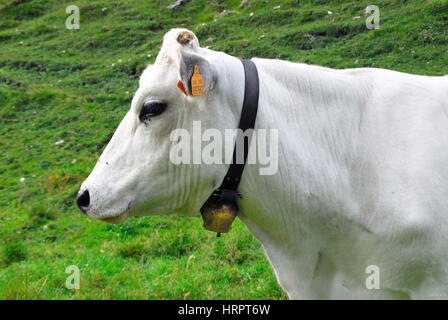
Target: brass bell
x,y
218,214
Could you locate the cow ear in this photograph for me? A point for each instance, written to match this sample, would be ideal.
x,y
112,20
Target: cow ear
x,y
196,73
192,64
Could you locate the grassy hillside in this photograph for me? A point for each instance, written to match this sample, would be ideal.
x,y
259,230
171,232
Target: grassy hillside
x,y
63,92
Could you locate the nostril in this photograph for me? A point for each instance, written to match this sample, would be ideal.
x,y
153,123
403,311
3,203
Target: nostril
x,y
83,201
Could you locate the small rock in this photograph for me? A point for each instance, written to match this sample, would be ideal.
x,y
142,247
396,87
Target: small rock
x,y
224,13
176,4
245,45
308,36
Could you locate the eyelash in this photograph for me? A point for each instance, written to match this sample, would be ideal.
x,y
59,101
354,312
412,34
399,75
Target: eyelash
x,y
151,109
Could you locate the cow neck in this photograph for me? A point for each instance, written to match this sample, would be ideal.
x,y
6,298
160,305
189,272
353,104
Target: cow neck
x,y
226,195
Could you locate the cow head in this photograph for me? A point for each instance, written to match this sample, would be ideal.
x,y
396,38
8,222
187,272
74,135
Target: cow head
x,y
135,175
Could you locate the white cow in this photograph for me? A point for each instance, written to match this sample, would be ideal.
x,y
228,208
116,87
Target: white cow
x,y
358,208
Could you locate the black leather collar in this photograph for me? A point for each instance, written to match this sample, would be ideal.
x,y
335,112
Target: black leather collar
x,y
247,121
228,191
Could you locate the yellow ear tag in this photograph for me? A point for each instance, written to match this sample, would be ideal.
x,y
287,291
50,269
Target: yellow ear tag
x,y
197,83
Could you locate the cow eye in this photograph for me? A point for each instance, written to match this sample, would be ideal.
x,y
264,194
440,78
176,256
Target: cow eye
x,y
150,110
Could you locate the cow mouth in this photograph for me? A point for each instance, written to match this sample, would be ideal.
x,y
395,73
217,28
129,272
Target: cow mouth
x,y
115,219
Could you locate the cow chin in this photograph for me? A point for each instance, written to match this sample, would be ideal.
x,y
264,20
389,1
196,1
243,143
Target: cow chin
x,y
116,219
113,219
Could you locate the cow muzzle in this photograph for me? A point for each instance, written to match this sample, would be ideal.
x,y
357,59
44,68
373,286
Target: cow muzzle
x,y
86,203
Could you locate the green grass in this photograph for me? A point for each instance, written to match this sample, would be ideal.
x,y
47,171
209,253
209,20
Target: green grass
x,y
76,85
